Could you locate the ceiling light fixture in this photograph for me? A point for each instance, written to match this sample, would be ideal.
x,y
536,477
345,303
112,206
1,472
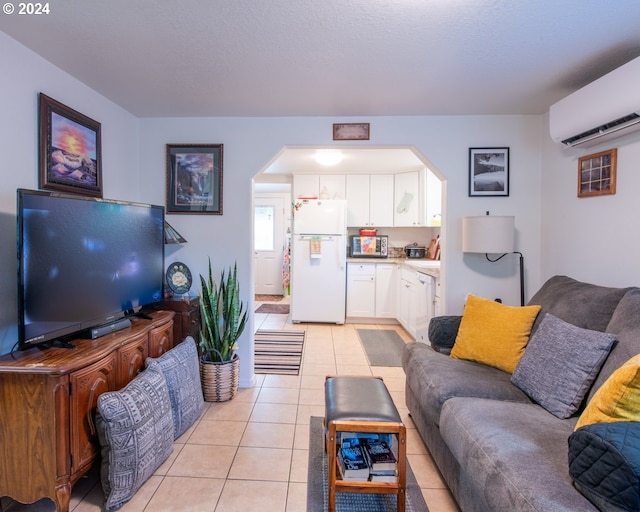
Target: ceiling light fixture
x,y
328,157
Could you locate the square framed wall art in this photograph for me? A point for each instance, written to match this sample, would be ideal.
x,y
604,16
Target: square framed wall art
x,y
70,150
488,172
194,178
597,173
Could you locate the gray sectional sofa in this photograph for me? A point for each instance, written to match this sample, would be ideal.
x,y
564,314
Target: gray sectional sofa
x,y
497,449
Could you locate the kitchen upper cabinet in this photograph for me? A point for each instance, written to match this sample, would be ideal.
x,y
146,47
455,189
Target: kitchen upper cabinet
x,y
369,200
381,199
434,200
409,208
330,186
306,185
357,200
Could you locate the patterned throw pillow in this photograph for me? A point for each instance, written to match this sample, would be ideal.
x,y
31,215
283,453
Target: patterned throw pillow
x,y
560,364
181,370
492,333
135,430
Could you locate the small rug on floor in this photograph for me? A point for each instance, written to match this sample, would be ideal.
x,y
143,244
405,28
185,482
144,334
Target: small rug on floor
x,y
268,298
278,309
317,491
382,346
278,352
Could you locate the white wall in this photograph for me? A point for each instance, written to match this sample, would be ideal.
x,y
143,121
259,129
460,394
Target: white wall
x,y
250,143
591,238
25,75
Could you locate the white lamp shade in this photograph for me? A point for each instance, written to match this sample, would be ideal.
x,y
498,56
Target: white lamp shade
x,y
488,234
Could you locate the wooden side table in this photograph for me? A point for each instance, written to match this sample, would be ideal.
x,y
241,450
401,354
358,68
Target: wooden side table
x,y
187,319
362,404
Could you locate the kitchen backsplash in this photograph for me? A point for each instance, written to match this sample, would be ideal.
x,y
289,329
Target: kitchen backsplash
x,y
401,237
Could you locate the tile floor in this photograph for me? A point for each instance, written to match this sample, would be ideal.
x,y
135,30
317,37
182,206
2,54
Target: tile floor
x,y
251,453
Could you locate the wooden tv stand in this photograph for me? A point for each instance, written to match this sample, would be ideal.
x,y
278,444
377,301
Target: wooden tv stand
x,y
48,399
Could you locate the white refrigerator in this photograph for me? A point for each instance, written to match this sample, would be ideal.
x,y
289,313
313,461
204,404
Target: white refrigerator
x,y
319,261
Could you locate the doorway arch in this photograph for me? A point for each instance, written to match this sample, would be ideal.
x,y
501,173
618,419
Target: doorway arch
x,y
277,176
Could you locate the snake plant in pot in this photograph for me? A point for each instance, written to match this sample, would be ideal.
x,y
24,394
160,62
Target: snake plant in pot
x,y
223,318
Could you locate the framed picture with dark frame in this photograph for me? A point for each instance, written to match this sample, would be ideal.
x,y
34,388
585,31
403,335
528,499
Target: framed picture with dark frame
x,y
488,171
70,150
597,173
351,131
194,178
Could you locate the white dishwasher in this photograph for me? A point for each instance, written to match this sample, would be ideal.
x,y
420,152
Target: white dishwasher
x,y
424,307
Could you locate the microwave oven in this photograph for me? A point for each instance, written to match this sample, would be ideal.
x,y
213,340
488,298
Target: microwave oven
x,y
368,246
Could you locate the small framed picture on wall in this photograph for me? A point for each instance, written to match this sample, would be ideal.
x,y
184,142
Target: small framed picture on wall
x,y
597,173
488,172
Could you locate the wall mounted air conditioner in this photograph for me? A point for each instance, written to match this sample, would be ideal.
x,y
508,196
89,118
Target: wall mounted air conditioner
x,y
602,110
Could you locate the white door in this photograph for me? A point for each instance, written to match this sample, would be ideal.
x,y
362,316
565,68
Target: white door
x,y
268,244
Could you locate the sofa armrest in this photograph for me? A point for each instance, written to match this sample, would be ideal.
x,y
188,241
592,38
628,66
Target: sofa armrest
x,y
443,331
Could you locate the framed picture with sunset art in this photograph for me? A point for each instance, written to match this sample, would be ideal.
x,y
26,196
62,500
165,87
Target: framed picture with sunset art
x,y
597,173
70,150
194,178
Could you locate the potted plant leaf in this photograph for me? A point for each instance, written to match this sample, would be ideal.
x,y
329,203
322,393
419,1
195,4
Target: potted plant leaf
x,y
223,318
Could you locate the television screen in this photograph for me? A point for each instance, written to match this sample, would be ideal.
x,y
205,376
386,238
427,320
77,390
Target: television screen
x,y
84,262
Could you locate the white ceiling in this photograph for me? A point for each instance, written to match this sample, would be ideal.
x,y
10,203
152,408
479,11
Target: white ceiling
x,y
338,58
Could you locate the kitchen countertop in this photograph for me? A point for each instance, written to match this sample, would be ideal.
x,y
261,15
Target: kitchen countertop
x,y
422,265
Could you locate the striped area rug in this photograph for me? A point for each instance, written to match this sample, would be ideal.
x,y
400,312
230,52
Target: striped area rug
x,y
278,352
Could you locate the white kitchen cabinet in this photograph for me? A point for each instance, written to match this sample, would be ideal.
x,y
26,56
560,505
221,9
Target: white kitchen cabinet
x,y
361,290
369,200
415,303
305,185
424,306
358,200
386,286
333,186
312,185
407,298
409,205
381,200
434,200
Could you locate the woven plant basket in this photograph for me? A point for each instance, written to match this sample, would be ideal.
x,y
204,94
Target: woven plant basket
x,y
220,380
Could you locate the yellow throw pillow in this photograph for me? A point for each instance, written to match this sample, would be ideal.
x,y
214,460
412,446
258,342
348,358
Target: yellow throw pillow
x,y
618,399
492,333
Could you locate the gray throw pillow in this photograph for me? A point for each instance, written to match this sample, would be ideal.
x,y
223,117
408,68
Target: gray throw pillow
x,y
181,370
136,435
560,363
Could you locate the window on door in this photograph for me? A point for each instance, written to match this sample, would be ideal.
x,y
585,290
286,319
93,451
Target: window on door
x,y
264,239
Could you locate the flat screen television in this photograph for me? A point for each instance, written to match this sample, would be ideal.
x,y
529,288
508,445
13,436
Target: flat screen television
x,y
84,262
